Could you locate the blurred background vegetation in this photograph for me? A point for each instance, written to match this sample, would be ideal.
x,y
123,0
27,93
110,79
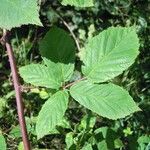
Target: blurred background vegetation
x,y
81,128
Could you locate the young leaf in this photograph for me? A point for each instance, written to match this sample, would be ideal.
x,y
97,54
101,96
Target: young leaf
x,y
110,53
51,113
40,75
2,142
78,3
58,50
107,100
18,12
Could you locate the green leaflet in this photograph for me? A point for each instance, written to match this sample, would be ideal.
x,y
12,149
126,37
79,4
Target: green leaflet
x,y
18,12
58,48
51,113
78,3
107,100
2,142
40,75
110,53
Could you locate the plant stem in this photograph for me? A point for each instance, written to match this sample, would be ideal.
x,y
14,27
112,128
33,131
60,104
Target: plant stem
x,y
73,35
70,84
70,30
19,102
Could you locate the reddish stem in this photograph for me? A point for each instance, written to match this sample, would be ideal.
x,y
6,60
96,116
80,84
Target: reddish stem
x,y
70,84
17,88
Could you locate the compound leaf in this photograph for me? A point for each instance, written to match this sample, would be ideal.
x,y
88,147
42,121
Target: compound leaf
x,y
107,100
18,12
78,3
110,53
51,113
58,50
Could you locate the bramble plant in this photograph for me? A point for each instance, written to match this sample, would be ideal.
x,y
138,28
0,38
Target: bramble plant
x,y
103,57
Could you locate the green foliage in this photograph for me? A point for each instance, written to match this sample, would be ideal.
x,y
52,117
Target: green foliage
x,y
107,138
127,131
3,104
39,75
2,142
110,53
144,141
16,131
102,145
18,12
78,3
87,122
104,59
87,147
51,113
43,94
81,128
59,49
69,140
107,100
20,146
